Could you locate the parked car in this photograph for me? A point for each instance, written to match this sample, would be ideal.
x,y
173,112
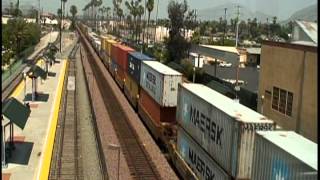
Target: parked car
x,y
224,64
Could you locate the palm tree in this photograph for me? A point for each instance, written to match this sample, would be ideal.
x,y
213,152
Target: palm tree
x,y
150,5
140,12
73,11
133,8
155,28
108,10
96,3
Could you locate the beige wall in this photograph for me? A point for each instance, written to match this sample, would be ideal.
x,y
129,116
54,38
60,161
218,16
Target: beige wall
x,y
283,67
309,118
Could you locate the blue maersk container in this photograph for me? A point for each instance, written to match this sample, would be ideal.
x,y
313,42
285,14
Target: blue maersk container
x,y
134,64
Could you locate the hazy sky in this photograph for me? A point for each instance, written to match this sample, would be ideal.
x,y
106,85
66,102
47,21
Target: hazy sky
x,y
280,8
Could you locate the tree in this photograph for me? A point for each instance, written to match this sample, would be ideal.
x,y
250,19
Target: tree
x,y
96,3
73,11
150,6
133,7
176,45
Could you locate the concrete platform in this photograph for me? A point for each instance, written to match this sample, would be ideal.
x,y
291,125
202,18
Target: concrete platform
x,y
32,155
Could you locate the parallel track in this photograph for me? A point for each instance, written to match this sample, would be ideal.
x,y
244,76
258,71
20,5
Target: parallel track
x,y
137,159
64,164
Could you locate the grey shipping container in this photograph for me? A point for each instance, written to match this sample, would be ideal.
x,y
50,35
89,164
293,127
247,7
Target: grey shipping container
x,y
284,155
134,64
201,164
224,128
160,82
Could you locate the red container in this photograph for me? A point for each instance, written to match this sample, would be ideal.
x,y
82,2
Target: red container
x,y
122,56
120,76
157,113
114,52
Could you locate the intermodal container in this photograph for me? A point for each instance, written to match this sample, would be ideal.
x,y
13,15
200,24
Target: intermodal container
x,y
199,161
284,155
160,82
113,67
109,44
103,40
122,56
157,113
131,90
224,128
114,52
120,76
134,64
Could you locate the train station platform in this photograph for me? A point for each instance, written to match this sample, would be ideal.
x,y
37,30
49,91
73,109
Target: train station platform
x,y
33,145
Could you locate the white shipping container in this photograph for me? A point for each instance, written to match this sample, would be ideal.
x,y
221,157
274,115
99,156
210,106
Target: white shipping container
x,y
284,155
224,128
160,82
201,164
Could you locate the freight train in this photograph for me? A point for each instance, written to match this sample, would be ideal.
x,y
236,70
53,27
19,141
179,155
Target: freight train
x,y
206,135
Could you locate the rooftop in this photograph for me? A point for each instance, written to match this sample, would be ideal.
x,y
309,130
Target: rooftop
x,y
295,144
223,48
310,28
254,50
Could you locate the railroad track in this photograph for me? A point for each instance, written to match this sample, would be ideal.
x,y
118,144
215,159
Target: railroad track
x,y
64,164
136,157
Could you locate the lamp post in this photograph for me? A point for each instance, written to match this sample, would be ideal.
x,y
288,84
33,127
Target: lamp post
x,y
116,147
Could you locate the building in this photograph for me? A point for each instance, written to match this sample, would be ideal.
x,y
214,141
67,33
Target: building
x,y
288,86
305,32
253,56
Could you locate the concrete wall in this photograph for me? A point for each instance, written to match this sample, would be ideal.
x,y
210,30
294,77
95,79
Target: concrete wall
x,y
283,67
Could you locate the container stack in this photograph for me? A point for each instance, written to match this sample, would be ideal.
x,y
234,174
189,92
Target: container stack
x,y
121,59
113,55
108,45
158,95
103,53
223,129
284,155
132,76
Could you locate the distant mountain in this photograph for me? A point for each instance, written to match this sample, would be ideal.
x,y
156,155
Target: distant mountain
x,y
309,13
215,13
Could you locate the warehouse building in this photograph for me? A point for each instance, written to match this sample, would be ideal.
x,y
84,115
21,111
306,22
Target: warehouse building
x,y
288,86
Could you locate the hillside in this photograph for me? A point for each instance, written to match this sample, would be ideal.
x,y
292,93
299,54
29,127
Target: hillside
x,y
309,13
215,13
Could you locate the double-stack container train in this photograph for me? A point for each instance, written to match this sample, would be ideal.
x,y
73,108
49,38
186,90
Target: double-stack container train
x,y
206,135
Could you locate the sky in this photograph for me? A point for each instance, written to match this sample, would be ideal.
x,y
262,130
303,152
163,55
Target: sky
x,y
283,9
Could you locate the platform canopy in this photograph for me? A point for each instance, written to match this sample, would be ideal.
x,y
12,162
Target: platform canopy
x,y
16,112
36,71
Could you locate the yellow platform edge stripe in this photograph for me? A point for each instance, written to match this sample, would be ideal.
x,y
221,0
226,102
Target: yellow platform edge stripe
x,y
43,174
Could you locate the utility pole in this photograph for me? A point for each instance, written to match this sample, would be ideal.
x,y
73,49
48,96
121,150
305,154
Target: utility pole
x,y
268,27
60,27
237,88
155,29
144,24
238,14
225,24
39,20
